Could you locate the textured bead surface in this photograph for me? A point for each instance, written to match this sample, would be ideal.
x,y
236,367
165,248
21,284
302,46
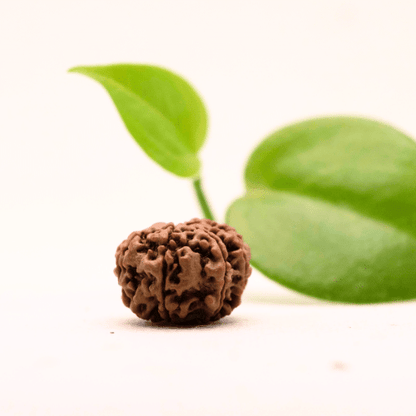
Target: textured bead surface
x,y
193,272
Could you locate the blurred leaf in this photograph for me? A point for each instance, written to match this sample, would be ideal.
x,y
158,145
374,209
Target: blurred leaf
x,y
330,210
161,111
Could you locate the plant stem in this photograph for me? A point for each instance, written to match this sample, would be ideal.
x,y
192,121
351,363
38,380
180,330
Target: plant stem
x,y
206,210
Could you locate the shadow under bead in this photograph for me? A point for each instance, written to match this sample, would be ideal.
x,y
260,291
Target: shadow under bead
x,y
191,273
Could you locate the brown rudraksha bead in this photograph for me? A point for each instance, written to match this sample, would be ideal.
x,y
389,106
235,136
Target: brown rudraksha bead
x,y
191,273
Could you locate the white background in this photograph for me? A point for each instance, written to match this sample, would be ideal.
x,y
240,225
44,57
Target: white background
x,y
74,185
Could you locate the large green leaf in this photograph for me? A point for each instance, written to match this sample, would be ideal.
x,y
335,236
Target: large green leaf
x,y
162,112
330,210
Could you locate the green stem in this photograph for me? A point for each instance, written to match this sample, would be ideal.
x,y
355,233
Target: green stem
x,y
206,210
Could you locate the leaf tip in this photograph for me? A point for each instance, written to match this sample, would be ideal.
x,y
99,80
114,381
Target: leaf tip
x,y
76,69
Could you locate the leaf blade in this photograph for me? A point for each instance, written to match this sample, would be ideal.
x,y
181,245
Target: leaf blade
x,y
161,111
351,174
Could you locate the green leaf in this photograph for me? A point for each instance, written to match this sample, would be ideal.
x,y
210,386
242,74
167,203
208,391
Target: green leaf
x,y
162,112
330,210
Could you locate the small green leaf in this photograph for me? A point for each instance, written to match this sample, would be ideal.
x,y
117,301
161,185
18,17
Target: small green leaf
x,y
330,210
162,112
